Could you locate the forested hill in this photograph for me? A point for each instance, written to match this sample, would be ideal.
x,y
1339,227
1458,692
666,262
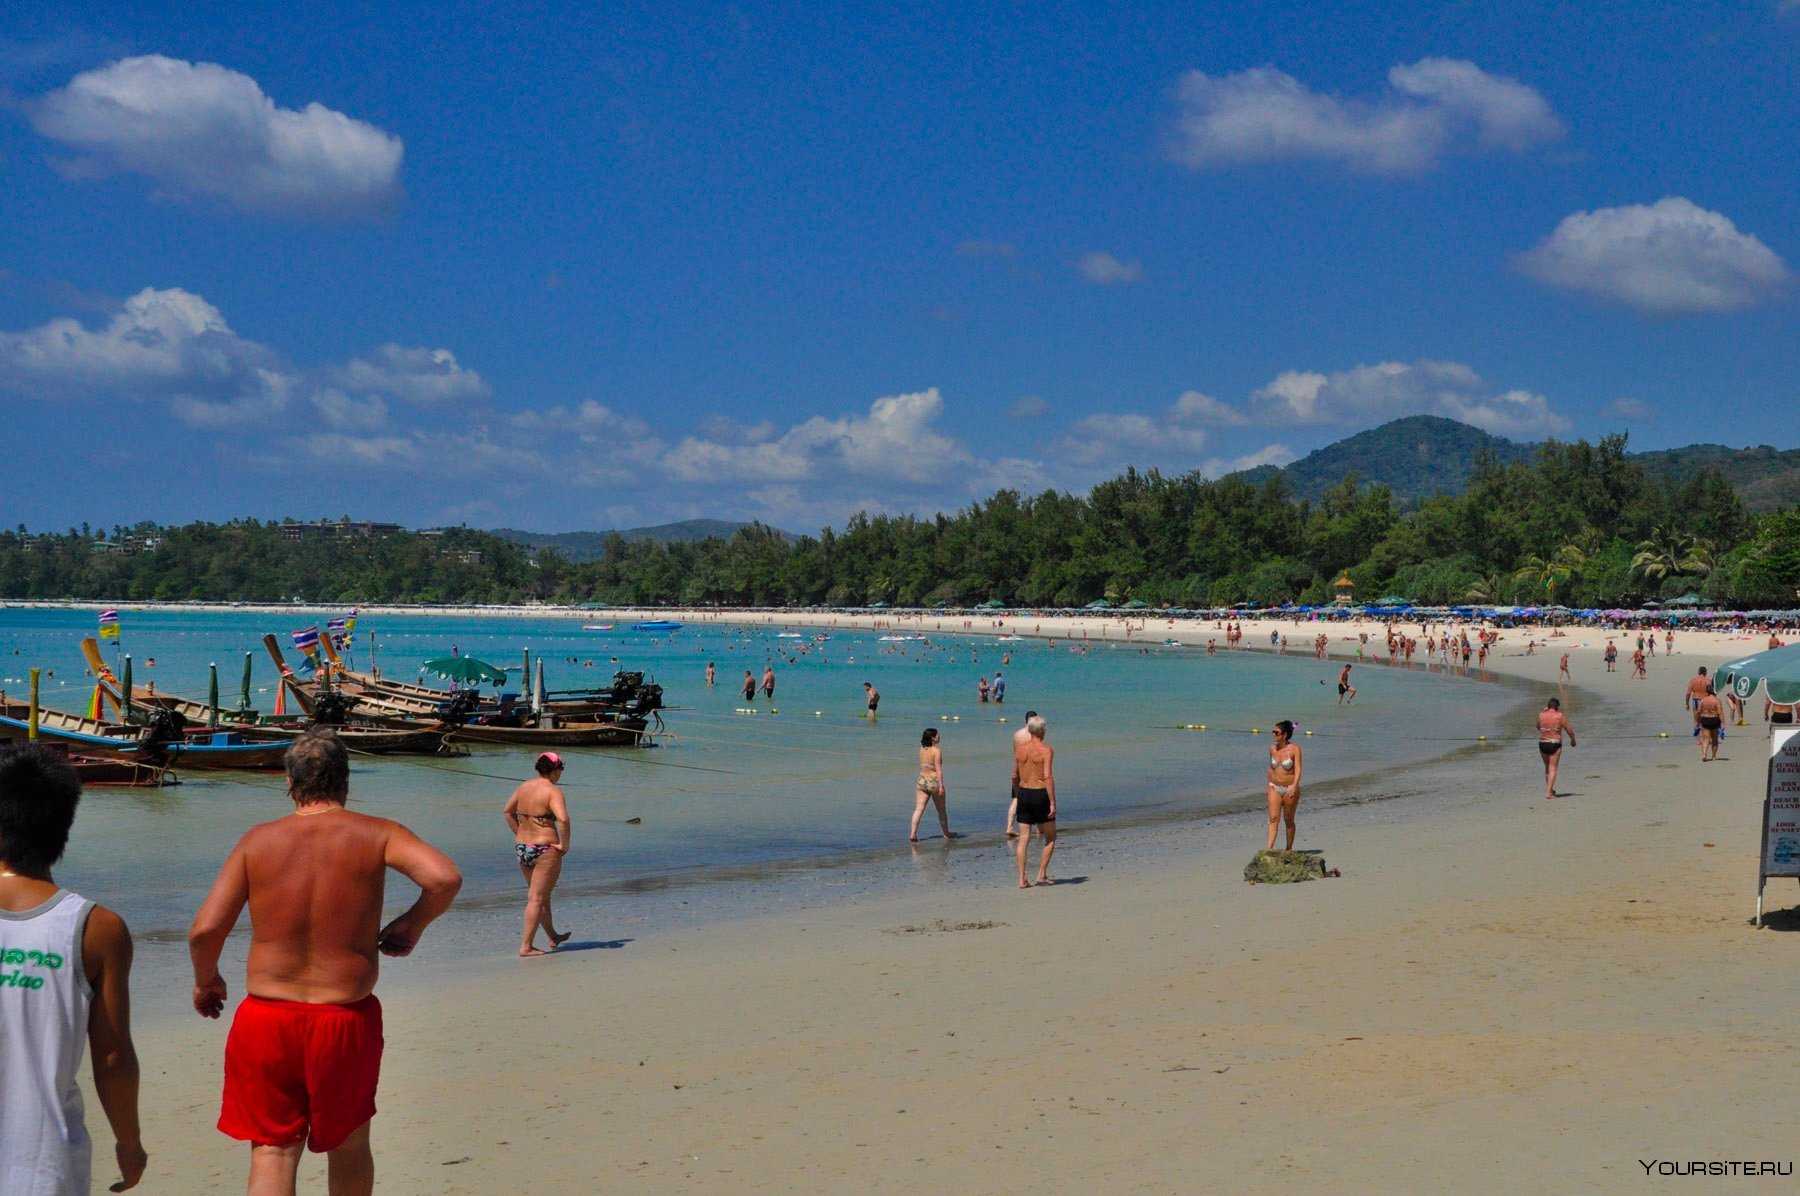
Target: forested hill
x,y
1415,457
1586,524
588,546
1423,455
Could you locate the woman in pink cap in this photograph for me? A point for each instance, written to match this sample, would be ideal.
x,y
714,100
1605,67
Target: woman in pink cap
x,y
539,818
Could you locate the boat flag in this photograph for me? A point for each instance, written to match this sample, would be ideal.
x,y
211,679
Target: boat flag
x,y
281,693
96,706
109,624
307,639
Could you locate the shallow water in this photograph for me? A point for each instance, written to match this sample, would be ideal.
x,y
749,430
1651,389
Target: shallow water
x,y
738,808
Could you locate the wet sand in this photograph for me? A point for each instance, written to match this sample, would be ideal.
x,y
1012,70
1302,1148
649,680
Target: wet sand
x,y
1500,991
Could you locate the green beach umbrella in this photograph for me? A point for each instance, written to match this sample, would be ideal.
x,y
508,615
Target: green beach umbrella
x,y
993,604
1777,670
1098,604
1137,604
465,670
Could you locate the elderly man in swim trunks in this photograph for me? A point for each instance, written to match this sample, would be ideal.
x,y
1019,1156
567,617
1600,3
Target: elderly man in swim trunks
x,y
538,816
1710,714
1012,810
304,1054
1034,775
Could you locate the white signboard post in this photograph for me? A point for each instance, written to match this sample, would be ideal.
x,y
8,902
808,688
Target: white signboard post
x,y
1781,814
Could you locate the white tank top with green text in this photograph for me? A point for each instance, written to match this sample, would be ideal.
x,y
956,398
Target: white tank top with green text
x,y
44,996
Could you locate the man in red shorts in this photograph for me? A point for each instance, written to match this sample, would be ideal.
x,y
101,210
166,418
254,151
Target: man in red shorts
x,y
304,1052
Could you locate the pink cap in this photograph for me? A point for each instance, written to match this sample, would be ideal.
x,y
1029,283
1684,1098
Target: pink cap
x,y
550,758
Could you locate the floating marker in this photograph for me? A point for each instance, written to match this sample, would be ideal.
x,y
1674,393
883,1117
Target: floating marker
x,y
1256,730
1482,738
1309,732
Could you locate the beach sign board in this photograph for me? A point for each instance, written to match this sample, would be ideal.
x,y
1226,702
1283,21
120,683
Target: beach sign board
x,y
1781,813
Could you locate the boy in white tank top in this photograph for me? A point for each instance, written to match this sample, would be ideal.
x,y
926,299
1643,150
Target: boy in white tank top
x,y
64,967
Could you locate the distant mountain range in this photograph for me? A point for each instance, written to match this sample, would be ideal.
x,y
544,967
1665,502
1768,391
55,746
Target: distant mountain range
x,y
1423,455
587,546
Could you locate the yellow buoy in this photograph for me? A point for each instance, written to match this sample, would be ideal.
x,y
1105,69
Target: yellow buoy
x,y
1482,738
1309,732
1256,730
1203,726
1662,734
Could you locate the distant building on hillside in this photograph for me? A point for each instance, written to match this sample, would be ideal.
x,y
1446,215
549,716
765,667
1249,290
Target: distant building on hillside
x,y
1346,590
337,529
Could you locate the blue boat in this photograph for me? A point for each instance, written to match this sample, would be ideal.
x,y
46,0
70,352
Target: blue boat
x,y
656,625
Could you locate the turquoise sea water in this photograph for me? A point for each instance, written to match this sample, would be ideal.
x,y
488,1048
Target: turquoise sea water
x,y
777,798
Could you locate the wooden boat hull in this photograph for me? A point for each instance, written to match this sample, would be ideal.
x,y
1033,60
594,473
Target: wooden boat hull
x,y
571,735
424,741
86,742
225,749
128,774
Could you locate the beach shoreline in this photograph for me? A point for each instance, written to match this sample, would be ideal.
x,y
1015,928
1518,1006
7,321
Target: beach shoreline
x,y
1478,1003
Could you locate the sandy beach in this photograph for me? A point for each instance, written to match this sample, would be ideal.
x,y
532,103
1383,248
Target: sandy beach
x,y
1500,992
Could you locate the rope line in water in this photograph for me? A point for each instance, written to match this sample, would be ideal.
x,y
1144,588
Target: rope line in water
x,y
1413,738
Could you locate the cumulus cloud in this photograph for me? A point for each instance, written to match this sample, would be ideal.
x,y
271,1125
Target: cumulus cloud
x,y
168,344
1389,389
1029,407
428,377
1671,257
172,346
1269,454
1180,429
896,440
1103,269
202,132
1428,108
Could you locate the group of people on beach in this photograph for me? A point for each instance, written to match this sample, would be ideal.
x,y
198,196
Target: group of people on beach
x,y
1032,806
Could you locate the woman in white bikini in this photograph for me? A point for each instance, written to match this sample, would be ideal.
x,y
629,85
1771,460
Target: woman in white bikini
x,y
930,784
1284,782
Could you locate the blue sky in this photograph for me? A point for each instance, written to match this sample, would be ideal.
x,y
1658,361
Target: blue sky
x,y
583,266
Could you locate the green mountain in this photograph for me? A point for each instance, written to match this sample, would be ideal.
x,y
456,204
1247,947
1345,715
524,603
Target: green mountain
x,y
587,546
1423,455
1414,457
1765,478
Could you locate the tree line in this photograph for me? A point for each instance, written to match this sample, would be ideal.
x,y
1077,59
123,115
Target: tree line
x,y
1579,524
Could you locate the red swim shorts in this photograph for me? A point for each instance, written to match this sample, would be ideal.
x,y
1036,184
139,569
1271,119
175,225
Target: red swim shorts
x,y
300,1072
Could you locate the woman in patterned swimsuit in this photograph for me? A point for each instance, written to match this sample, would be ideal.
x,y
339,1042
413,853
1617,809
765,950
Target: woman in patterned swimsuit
x,y
539,819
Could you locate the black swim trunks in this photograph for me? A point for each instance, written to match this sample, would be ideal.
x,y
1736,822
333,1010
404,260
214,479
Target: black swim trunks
x,y
1342,689
1034,807
1549,747
1709,722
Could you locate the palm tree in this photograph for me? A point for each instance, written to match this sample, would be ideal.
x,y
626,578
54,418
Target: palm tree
x,y
1557,572
1490,589
1668,554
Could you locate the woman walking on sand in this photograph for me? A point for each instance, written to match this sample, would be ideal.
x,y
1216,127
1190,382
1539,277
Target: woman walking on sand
x,y
1552,725
930,784
539,819
1283,782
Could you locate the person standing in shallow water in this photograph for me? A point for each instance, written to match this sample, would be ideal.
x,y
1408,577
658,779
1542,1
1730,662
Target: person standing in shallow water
x,y
538,816
929,786
749,686
1283,782
1552,725
1034,772
68,991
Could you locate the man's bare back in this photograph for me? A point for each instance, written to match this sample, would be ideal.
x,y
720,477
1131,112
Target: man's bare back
x,y
314,883
1032,760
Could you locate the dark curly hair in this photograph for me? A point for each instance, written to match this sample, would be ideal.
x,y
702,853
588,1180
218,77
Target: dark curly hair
x,y
38,795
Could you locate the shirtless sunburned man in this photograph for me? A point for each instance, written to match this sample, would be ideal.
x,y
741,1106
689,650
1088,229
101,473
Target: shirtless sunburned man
x,y
1710,715
304,1052
1034,777
538,816
1552,725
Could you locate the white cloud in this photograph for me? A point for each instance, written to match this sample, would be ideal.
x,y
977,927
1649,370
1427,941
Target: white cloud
x,y
1192,407
1133,438
361,413
1672,257
1389,389
607,437
201,131
428,377
1269,454
1103,269
1429,107
894,441
160,344
1029,407
1626,407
